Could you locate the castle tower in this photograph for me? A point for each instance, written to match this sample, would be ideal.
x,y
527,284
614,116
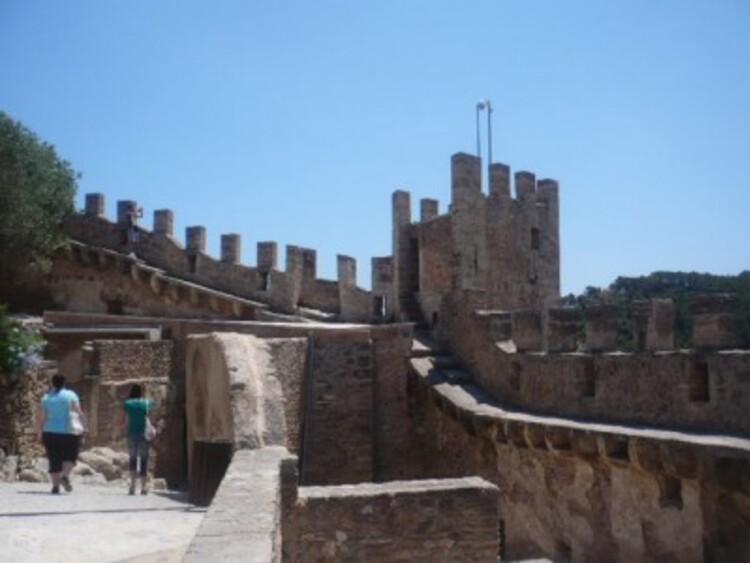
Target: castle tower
x,y
468,222
548,247
405,256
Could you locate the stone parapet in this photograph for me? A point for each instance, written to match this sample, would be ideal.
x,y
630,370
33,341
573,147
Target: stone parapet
x,y
287,291
653,324
563,329
690,389
421,520
499,324
231,248
267,256
428,209
164,222
527,330
549,465
244,521
195,239
95,204
715,321
602,325
500,181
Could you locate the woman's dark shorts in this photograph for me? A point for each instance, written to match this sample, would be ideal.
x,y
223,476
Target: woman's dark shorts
x,y
60,448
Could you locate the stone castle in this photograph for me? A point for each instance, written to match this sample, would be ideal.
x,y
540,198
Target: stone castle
x,y
454,412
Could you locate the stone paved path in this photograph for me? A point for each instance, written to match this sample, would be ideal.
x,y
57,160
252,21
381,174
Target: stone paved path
x,y
93,524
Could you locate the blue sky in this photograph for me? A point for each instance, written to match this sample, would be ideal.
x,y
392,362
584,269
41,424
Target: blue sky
x,y
295,121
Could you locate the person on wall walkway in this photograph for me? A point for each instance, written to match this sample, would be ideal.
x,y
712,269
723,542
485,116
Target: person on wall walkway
x,y
133,214
60,424
139,432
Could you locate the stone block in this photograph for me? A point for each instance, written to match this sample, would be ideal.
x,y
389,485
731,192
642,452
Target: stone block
x,y
527,330
653,324
602,325
563,328
715,321
95,204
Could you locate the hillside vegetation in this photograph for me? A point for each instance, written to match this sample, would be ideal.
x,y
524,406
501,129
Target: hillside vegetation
x,y
678,286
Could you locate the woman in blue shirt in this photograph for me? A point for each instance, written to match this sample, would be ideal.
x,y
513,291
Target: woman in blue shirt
x,y
54,425
137,408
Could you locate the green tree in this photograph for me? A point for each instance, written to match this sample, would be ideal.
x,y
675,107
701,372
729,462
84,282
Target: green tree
x,y
19,346
678,286
37,190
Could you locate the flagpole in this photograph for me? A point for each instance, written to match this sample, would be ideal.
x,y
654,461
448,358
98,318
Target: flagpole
x,y
480,106
489,133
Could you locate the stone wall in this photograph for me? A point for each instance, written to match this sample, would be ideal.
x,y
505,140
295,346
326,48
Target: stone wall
x,y
297,286
356,304
244,522
178,330
95,280
435,265
591,492
322,295
397,441
707,390
65,346
110,368
236,386
338,421
449,520
20,397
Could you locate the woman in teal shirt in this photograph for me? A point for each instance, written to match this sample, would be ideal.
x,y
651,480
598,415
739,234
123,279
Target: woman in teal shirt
x,y
137,408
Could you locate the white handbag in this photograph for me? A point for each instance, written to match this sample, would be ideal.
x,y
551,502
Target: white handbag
x,y
150,431
75,426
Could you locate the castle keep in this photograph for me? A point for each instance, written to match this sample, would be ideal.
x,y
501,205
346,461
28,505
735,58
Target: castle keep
x,y
453,412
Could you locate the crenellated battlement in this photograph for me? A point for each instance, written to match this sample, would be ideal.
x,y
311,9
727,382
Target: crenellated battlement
x,y
589,411
507,247
466,188
570,362
599,329
298,285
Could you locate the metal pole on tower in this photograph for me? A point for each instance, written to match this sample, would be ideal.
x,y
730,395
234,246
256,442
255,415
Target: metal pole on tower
x,y
489,133
480,107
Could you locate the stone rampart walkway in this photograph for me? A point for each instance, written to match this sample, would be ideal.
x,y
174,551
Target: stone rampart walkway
x,y
93,524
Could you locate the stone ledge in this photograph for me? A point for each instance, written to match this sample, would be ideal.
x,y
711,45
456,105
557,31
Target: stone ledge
x,y
158,279
686,455
361,490
243,522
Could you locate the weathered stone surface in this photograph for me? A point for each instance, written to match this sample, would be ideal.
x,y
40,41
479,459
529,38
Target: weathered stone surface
x,y
244,520
573,440
431,520
32,476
